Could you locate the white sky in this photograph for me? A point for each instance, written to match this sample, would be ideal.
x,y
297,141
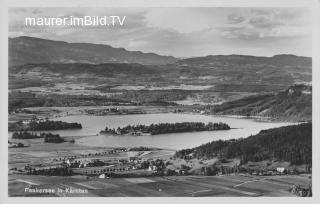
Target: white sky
x,y
183,32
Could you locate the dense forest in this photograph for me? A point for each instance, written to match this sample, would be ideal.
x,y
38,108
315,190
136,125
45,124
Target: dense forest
x,y
54,171
162,128
53,125
52,138
25,135
48,137
290,143
294,104
40,125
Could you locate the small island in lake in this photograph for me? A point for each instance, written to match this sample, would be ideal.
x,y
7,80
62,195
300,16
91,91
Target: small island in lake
x,y
163,128
43,125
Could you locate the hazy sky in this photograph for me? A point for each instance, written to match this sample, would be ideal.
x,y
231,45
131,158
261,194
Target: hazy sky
x,y
182,32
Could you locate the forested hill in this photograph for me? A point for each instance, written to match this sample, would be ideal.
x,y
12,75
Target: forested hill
x,y
291,143
294,104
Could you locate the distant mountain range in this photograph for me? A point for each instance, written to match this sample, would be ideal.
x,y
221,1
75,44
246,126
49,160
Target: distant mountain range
x,y
26,50
294,104
284,59
243,69
40,59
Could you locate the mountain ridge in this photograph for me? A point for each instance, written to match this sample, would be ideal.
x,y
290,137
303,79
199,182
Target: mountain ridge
x,y
23,49
26,50
246,59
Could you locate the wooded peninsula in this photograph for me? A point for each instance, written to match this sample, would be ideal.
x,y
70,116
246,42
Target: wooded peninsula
x,y
43,125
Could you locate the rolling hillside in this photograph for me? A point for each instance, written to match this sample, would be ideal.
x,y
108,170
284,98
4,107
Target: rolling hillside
x,y
250,70
294,104
291,144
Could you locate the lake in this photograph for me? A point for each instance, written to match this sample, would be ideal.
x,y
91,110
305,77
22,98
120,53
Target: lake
x,y
93,124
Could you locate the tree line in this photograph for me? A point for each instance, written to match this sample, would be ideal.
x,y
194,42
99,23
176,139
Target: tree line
x,y
52,125
53,171
52,138
25,135
162,128
42,125
48,137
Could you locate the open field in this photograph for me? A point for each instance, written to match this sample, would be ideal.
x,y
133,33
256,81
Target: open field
x,y
177,186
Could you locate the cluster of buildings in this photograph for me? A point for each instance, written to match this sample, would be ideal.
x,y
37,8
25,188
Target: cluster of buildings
x,y
108,165
202,111
274,171
113,110
98,163
104,162
103,111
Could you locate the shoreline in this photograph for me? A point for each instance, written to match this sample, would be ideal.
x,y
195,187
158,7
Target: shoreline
x,y
60,112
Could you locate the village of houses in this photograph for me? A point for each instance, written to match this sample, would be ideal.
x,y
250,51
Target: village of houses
x,y
143,171
116,161
139,162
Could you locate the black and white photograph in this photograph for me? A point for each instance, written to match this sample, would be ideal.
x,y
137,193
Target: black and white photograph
x,y
160,101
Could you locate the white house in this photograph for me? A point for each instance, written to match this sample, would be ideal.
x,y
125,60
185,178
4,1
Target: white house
x,y
152,168
280,169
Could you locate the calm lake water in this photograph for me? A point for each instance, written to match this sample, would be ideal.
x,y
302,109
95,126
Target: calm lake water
x,y
93,124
